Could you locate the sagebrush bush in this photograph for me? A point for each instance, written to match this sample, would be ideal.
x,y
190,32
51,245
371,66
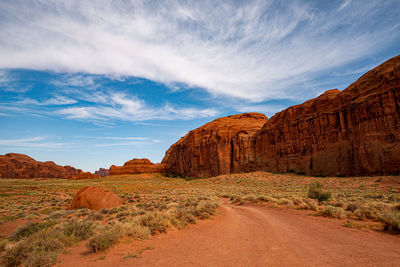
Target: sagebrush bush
x,y
391,221
315,191
334,212
31,228
104,239
352,207
79,230
363,213
156,222
3,244
135,230
40,249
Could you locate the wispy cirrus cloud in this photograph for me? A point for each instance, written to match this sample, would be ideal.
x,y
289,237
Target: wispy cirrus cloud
x,y
32,142
251,50
102,106
54,101
119,106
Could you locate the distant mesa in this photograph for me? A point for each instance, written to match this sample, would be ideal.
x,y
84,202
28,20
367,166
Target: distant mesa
x,y
102,172
136,166
15,165
350,132
84,175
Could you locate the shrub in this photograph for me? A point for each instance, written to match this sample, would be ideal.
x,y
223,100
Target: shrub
x,y
334,212
315,191
3,244
156,222
30,229
352,207
104,239
391,221
183,217
312,204
136,231
40,249
79,230
363,213
237,199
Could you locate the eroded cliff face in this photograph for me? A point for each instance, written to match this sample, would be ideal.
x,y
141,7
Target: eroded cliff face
x,y
15,165
136,166
218,147
350,132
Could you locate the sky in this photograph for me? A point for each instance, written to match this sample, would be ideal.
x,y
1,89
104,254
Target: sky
x,y
96,83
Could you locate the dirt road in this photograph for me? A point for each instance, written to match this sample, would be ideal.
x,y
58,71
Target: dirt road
x,y
255,236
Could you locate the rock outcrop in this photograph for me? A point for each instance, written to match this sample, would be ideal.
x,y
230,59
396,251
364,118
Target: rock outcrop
x,y
136,166
84,175
102,172
15,165
218,147
350,132
94,198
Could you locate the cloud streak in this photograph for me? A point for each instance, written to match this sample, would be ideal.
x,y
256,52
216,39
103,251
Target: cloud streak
x,y
120,106
252,50
33,142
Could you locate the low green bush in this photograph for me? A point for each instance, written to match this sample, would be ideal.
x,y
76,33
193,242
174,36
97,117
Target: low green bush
x,y
79,230
156,222
104,239
31,228
39,249
334,212
391,221
315,191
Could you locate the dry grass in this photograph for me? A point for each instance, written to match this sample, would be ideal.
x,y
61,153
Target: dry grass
x,y
153,203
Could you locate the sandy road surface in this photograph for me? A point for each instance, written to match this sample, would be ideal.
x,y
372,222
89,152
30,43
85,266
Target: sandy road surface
x,y
254,236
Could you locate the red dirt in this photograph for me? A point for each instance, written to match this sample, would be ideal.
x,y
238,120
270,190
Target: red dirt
x,y
253,236
8,228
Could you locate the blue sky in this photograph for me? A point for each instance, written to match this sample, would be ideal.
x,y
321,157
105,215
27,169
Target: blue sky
x,y
96,83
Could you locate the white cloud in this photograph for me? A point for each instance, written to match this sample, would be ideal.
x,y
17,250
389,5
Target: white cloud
x,y
33,142
125,138
252,50
7,85
55,101
119,106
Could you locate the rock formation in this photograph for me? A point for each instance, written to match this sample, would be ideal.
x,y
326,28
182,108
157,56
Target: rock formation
x,y
218,147
135,166
102,172
350,132
353,132
84,175
94,198
15,165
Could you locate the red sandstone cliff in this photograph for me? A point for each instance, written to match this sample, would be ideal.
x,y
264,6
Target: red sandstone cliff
x,y
350,132
15,165
218,147
135,166
354,132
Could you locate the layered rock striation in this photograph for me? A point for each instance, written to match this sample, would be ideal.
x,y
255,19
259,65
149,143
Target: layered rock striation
x,y
136,166
350,132
218,147
15,165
